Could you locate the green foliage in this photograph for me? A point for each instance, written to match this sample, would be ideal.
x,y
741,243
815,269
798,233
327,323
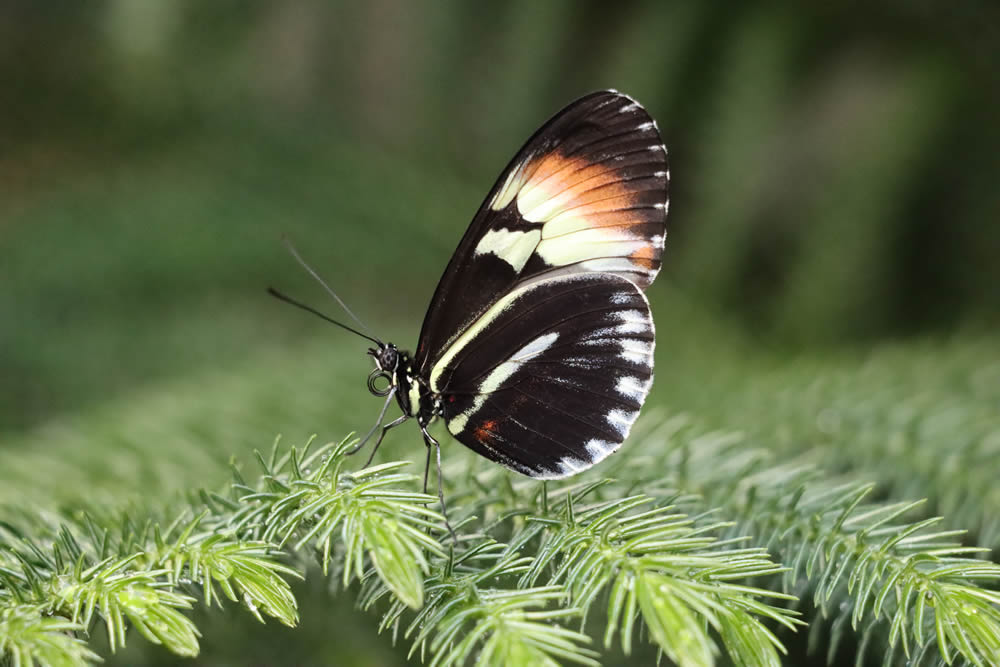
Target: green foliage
x,y
138,597
860,559
706,544
28,637
920,419
672,571
467,612
84,569
297,506
586,553
482,594
242,571
657,563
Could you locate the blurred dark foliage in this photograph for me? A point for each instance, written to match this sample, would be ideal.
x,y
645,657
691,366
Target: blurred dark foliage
x,y
834,166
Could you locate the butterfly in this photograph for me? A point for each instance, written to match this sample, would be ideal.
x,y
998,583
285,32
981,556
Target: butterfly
x,y
537,349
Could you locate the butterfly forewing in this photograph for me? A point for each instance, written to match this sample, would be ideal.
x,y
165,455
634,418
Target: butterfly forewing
x,y
586,194
550,379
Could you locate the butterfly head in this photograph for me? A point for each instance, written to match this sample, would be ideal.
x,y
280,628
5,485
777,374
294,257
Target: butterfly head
x,y
386,357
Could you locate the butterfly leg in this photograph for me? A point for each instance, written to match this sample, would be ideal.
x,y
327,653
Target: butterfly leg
x,y
430,441
385,429
427,465
378,422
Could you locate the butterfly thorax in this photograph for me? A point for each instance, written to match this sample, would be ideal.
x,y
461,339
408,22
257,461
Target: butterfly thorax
x,y
395,368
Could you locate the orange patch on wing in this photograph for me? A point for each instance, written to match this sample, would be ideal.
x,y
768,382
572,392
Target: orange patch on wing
x,y
576,176
609,204
593,190
558,184
486,430
647,256
552,166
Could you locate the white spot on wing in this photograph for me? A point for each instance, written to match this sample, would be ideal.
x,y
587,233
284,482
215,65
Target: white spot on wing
x,y
621,298
570,466
599,449
598,336
621,421
535,347
637,351
633,321
502,373
513,247
632,387
610,265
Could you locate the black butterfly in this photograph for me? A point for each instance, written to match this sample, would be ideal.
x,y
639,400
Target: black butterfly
x,y
537,348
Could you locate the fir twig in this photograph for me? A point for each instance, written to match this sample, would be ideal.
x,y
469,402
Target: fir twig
x,y
860,559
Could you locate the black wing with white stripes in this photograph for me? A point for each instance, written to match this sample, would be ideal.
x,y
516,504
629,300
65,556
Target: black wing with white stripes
x,y
549,380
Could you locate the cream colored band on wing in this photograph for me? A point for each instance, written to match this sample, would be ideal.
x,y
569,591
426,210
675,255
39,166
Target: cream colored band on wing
x,y
570,250
513,247
499,375
481,323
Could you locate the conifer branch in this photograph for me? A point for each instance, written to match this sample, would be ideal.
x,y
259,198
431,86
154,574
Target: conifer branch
x,y
655,563
685,564
128,576
858,558
363,514
652,565
29,636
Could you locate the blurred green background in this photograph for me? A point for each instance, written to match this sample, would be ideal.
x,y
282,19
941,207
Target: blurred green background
x,y
834,194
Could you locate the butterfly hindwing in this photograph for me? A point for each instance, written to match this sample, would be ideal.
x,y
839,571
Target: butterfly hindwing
x,y
550,379
587,193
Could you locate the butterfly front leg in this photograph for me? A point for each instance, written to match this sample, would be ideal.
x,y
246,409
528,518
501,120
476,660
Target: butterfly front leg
x,y
385,429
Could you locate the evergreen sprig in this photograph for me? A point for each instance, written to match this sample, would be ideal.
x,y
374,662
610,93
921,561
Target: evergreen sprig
x,y
75,573
862,561
364,514
29,636
655,563
709,559
470,609
651,564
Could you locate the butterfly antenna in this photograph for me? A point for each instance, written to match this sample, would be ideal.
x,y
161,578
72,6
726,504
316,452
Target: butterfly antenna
x,y
329,290
309,309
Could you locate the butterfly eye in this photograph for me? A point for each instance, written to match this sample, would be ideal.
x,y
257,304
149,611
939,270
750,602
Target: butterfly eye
x,y
377,378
